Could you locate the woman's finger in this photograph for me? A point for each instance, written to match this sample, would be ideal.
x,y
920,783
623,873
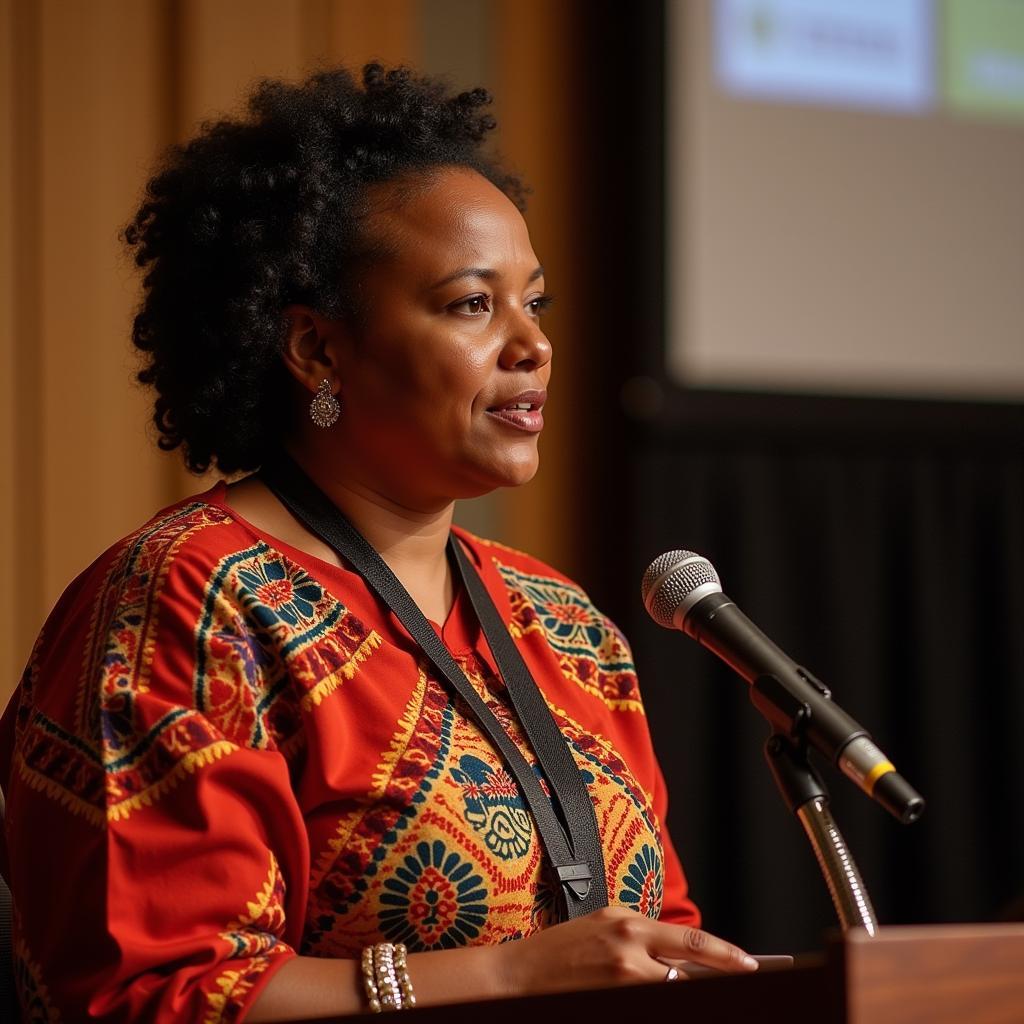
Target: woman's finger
x,y
682,942
688,969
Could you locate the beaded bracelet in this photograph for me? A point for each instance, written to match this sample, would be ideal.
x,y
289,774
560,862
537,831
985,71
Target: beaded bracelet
x,y
404,981
370,980
386,979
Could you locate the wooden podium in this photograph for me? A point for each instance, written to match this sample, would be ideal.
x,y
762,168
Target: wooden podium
x,y
968,974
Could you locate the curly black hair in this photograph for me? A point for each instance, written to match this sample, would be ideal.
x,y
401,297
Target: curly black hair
x,y
260,212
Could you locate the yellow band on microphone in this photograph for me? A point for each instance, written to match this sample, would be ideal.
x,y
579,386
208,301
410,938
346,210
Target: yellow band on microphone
x,y
880,769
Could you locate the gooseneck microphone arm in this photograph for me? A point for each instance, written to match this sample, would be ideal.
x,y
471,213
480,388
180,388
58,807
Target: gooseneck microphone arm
x,y
681,590
806,796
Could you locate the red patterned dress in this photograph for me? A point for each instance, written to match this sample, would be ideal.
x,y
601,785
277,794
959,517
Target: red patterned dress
x,y
225,752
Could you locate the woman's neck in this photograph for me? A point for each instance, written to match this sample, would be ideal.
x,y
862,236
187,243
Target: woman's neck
x,y
412,542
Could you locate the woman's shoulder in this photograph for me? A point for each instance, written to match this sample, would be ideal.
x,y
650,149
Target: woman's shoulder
x,y
539,591
547,607
510,561
178,549
194,532
127,620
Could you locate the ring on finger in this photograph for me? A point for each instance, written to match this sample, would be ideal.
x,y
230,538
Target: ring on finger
x,y
672,975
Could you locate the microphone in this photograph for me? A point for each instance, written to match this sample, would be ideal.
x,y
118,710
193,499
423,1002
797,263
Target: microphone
x,y
681,590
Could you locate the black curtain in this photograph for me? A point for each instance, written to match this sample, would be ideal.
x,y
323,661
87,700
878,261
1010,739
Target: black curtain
x,y
896,574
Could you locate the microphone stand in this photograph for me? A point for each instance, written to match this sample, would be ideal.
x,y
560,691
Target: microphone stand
x,y
804,793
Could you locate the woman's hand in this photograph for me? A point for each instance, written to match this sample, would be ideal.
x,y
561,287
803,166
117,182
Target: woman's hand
x,y
613,946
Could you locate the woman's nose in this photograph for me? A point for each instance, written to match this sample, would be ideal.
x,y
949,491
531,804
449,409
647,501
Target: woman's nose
x,y
526,347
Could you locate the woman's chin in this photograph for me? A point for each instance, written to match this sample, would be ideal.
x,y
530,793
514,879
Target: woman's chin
x,y
521,467
508,474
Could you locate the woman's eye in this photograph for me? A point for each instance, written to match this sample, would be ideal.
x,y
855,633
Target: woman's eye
x,y
538,305
474,305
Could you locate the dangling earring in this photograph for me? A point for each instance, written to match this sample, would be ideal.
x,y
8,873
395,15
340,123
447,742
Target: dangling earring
x,y
325,409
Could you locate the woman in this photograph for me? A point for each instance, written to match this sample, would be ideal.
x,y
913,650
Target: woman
x,y
237,786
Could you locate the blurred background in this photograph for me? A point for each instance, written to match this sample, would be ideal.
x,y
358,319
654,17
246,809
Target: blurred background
x,y
787,242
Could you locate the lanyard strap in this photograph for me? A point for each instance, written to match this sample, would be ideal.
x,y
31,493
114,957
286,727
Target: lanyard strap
x,y
578,859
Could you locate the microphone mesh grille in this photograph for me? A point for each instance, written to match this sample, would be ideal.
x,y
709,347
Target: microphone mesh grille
x,y
683,578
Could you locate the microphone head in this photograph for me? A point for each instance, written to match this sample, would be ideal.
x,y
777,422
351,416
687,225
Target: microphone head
x,y
674,583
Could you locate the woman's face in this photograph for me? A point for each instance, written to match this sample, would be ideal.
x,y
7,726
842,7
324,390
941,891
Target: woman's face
x,y
443,380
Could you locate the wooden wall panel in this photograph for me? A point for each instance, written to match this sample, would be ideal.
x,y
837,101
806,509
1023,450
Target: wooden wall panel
x,y
13,203
84,112
23,582
97,94
536,107
358,31
226,45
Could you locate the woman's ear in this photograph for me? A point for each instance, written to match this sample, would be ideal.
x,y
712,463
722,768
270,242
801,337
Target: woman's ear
x,y
314,348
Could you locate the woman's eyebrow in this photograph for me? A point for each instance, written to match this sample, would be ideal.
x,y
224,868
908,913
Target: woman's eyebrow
x,y
485,273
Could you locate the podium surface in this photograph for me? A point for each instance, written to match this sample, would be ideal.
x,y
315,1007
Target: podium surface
x,y
970,974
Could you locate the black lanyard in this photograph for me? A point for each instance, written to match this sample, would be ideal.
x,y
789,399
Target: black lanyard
x,y
578,859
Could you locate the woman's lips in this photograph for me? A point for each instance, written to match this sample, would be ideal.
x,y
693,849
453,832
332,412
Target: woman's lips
x,y
532,420
524,412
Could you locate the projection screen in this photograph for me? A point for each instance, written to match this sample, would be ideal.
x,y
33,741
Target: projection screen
x,y
845,196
